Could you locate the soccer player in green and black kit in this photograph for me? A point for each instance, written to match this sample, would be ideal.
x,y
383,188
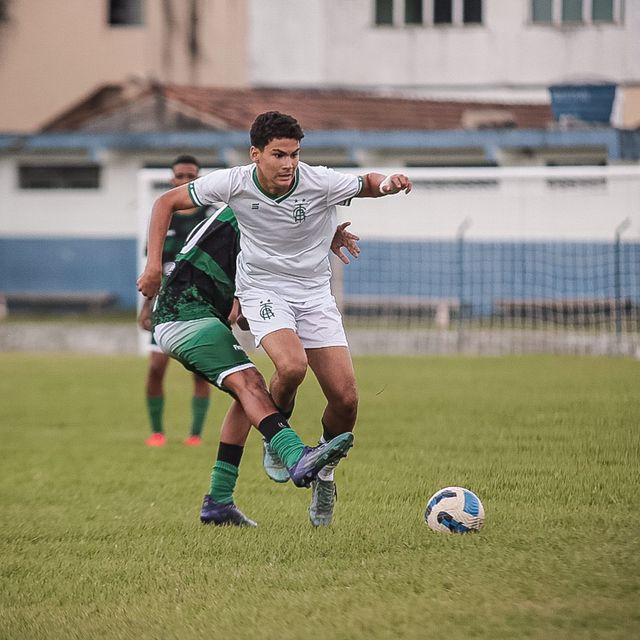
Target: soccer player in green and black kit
x,y
190,321
184,168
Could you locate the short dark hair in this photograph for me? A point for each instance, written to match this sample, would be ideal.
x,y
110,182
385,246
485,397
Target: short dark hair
x,y
272,125
185,159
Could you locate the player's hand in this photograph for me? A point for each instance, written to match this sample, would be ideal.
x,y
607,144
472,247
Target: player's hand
x,y
395,183
347,240
149,282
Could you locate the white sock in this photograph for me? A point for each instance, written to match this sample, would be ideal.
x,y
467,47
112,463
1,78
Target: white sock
x,y
326,473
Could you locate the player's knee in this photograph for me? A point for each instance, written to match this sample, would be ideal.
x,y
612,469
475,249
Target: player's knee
x,y
292,372
346,404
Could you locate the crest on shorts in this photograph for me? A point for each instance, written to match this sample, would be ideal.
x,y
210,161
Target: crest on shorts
x,y
300,210
266,310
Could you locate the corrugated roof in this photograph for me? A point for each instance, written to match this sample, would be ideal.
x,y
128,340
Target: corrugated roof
x,y
316,109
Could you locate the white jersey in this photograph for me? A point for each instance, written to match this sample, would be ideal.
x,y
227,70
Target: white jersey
x,y
285,240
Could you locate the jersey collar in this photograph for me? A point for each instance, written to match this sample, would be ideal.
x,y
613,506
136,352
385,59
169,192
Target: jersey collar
x,y
284,196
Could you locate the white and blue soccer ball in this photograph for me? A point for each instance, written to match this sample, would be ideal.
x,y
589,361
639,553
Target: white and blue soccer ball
x,y
454,510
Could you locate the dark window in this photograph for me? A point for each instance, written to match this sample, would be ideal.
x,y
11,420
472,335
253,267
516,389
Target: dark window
x,y
413,11
472,11
542,11
571,10
384,11
125,12
442,12
59,177
602,11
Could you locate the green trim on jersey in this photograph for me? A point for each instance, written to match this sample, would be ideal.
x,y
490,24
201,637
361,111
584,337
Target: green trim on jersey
x,y
277,199
193,196
347,202
227,215
202,282
203,261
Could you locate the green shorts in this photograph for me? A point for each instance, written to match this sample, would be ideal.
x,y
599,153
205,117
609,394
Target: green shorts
x,y
205,346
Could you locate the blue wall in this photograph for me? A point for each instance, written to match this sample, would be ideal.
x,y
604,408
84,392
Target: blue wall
x,y
478,272
70,264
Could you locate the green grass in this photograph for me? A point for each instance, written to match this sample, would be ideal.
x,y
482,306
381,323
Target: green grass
x,y
99,537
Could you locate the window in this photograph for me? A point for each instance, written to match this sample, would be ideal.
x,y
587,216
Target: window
x,y
571,10
413,11
542,11
602,11
59,177
472,11
442,12
125,12
384,12
576,12
428,12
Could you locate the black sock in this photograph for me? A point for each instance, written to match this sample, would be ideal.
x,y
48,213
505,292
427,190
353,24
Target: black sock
x,y
230,453
273,424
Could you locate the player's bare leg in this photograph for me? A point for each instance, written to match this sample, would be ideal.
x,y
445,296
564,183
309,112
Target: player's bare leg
x,y
287,353
333,368
290,360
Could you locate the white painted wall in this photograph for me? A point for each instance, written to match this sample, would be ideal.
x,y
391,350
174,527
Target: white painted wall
x,y
335,42
522,206
587,204
108,212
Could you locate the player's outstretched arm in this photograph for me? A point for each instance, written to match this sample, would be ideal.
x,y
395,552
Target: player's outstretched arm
x,y
347,240
376,185
161,213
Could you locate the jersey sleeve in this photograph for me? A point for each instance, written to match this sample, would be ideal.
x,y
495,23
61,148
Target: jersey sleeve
x,y
213,188
343,187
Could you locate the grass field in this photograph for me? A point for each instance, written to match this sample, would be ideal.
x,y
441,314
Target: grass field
x,y
100,537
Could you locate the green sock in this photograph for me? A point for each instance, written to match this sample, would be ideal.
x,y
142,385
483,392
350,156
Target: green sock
x,y
287,444
199,408
155,409
224,476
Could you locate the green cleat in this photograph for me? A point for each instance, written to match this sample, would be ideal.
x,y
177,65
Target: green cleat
x,y
273,466
323,497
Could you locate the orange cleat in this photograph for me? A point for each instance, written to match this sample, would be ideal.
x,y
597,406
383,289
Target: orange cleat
x,y
193,441
156,440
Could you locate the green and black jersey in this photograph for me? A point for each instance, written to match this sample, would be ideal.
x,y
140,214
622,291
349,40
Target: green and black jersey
x,y
202,283
180,228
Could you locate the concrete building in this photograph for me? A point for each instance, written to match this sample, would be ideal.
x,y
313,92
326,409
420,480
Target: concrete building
x,y
95,92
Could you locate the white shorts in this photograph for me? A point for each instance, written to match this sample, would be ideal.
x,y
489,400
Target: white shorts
x,y
317,323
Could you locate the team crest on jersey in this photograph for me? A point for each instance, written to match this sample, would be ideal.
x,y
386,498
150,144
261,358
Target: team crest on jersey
x,y
300,210
266,310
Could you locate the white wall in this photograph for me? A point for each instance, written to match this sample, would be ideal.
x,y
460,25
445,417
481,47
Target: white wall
x,y
586,204
108,212
334,42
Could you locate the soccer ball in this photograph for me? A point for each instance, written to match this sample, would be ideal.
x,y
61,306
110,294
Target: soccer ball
x,y
454,510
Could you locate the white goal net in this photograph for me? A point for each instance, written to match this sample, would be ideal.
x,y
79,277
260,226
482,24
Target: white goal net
x,y
489,261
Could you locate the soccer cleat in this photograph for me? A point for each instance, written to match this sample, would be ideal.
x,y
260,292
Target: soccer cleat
x,y
305,471
223,514
273,466
193,441
323,498
156,440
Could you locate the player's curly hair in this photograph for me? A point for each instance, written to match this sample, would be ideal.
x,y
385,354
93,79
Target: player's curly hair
x,y
271,125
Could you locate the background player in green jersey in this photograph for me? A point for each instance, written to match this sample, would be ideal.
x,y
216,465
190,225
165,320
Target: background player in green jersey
x,y
185,168
190,321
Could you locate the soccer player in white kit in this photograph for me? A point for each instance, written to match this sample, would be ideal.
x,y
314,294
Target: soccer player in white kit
x,y
286,212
